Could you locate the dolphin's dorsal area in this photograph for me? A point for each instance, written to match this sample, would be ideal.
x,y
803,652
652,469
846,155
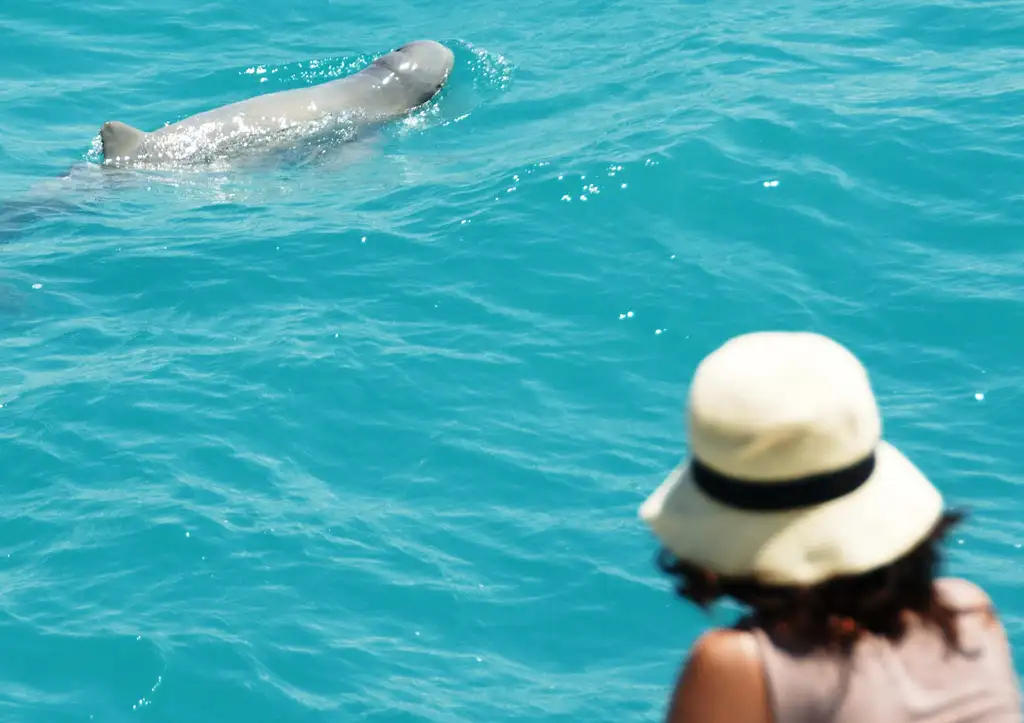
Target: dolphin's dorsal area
x,y
121,140
389,88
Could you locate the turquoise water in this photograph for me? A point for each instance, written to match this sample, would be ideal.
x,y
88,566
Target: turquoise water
x,y
364,439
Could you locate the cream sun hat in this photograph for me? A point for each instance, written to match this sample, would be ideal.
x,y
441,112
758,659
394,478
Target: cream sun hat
x,y
788,479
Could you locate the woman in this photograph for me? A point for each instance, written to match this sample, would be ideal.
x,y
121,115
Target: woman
x,y
792,505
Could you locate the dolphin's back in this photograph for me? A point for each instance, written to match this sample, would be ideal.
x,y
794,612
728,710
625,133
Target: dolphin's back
x,y
374,93
387,89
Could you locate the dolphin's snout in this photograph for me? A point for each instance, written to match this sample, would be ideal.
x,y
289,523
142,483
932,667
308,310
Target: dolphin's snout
x,y
425,62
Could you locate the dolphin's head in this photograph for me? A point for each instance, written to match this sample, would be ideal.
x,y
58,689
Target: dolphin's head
x,y
422,65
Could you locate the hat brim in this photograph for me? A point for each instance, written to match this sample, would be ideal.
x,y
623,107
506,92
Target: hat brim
x,y
880,521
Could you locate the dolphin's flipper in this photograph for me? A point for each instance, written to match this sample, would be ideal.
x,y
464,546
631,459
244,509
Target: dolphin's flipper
x,y
121,140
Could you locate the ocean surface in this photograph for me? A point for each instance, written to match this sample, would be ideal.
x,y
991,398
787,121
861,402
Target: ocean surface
x,y
362,436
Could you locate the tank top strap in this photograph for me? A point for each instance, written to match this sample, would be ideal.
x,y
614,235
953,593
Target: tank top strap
x,y
802,688
974,622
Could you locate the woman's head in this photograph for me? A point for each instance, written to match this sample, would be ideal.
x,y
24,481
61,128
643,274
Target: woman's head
x,y
833,612
789,485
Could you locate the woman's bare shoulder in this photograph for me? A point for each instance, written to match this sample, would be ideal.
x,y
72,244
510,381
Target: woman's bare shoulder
x,y
726,645
963,593
722,681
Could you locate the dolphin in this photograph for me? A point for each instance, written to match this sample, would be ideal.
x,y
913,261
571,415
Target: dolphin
x,y
388,89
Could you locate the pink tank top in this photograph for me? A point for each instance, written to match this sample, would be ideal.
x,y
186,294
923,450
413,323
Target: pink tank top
x,y
917,680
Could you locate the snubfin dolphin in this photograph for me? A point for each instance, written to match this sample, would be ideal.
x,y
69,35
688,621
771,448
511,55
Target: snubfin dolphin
x,y
389,88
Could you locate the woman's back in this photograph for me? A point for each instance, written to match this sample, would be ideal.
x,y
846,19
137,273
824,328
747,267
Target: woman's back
x,y
917,680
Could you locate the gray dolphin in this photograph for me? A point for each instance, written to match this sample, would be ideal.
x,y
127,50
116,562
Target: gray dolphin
x,y
389,88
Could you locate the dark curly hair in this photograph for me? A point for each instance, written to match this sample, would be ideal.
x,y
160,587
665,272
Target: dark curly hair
x,y
831,614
